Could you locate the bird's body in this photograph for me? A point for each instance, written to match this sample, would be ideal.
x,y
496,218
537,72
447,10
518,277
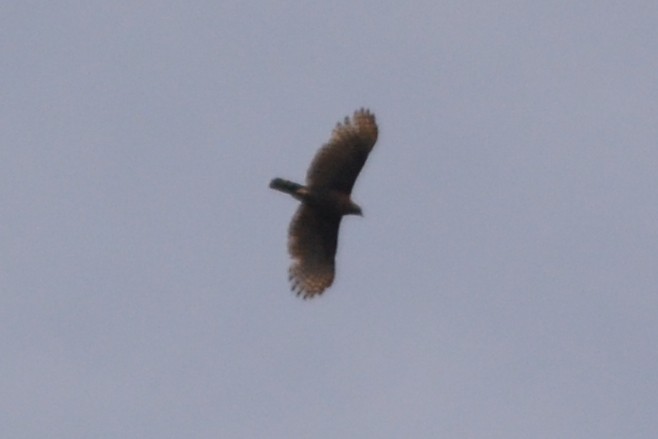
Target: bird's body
x,y
326,202
313,233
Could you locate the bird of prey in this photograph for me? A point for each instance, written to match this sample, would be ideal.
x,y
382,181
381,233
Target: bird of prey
x,y
325,199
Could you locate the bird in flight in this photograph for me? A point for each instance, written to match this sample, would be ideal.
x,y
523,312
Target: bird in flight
x,y
325,199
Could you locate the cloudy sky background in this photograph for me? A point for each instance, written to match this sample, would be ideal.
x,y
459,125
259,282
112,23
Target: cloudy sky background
x,y
502,284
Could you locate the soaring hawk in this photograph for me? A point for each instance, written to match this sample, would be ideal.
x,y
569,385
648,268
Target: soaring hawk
x,y
313,232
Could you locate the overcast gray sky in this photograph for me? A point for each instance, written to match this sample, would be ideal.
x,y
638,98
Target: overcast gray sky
x,y
502,284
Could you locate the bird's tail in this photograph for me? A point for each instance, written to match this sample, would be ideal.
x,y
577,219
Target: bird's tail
x,y
286,186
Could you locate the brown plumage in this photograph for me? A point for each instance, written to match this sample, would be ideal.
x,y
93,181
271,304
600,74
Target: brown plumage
x,y
313,233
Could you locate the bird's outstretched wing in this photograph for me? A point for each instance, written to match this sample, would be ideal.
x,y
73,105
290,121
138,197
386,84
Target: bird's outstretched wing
x,y
337,164
312,240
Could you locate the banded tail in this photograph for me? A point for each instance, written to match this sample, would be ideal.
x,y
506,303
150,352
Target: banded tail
x,y
286,186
